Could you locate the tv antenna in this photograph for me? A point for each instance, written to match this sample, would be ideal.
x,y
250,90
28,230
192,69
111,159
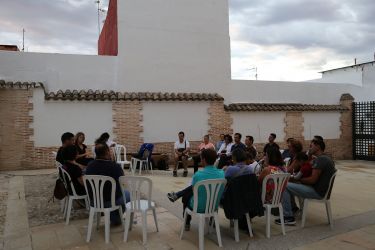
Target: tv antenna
x,y
256,72
99,10
23,40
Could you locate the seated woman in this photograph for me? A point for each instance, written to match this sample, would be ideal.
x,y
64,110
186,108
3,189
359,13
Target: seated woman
x,y
274,165
83,156
74,170
295,147
303,161
225,152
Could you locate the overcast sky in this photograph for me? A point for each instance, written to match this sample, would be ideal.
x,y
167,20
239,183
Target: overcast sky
x,y
285,39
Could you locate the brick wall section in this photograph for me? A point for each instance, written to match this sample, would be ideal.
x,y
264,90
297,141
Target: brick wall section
x,y
17,150
14,130
293,125
345,148
127,124
219,121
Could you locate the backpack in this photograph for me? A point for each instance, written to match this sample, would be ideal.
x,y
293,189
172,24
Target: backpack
x,y
59,191
162,164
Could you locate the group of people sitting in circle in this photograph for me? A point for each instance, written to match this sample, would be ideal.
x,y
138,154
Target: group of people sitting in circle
x,y
76,161
310,171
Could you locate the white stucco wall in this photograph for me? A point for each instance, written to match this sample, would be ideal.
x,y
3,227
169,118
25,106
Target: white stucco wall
x,y
170,45
162,121
326,124
60,71
259,125
242,91
53,118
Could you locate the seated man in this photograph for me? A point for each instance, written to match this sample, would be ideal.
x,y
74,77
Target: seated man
x,y
314,186
103,165
239,167
271,143
208,158
237,142
206,144
181,151
225,152
220,142
67,139
69,154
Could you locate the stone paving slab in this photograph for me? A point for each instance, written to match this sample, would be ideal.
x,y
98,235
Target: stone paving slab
x,y
352,203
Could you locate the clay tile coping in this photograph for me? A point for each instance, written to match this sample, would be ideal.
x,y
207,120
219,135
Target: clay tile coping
x,y
282,107
112,95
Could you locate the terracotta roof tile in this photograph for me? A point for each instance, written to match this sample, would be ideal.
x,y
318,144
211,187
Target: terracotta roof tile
x,y
282,107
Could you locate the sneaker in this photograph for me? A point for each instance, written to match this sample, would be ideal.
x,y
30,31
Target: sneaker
x,y
185,173
174,173
290,221
172,196
187,227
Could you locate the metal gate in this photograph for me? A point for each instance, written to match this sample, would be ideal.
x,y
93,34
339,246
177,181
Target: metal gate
x,y
364,130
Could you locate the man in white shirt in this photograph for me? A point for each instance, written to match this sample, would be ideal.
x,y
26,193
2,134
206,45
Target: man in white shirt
x,y
181,152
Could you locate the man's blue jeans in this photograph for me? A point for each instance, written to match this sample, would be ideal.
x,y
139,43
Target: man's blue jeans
x,y
299,190
114,215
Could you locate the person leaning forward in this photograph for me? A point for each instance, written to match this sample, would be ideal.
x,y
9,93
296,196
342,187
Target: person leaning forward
x,y
181,153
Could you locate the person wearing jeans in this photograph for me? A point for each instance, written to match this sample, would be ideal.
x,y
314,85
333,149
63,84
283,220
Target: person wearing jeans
x,y
312,187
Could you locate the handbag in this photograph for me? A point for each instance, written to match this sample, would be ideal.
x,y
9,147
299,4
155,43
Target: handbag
x,y
59,191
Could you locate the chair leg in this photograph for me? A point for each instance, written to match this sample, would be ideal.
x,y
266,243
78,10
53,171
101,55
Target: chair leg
x,y
268,221
106,226
155,219
329,213
304,212
201,232
236,233
140,167
144,226
69,208
217,226
183,225
281,212
249,224
89,228
87,204
127,225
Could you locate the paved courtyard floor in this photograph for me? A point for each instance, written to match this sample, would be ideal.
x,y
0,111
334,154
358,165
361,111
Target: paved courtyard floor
x,y
29,221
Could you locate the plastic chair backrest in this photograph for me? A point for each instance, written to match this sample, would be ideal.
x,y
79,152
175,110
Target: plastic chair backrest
x,y
257,169
280,181
118,152
212,188
68,181
327,196
94,185
58,164
133,184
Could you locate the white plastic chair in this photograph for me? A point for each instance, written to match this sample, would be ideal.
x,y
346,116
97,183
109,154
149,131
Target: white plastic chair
x,y
212,188
326,200
134,184
93,152
74,196
96,184
280,181
142,163
120,156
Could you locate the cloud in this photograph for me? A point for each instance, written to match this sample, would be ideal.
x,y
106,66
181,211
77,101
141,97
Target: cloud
x,y
68,26
285,39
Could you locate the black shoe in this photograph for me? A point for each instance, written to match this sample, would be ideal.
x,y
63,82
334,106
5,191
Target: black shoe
x,y
174,173
185,173
172,196
289,221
